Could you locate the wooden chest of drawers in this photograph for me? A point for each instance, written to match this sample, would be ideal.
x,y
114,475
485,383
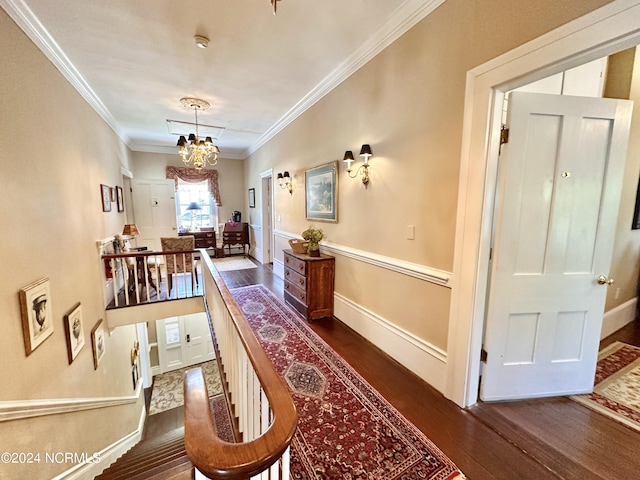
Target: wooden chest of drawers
x,y
309,282
203,239
235,234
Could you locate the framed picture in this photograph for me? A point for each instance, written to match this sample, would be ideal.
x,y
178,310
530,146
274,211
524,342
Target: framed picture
x,y
98,342
74,330
105,192
37,316
252,198
119,199
635,225
321,193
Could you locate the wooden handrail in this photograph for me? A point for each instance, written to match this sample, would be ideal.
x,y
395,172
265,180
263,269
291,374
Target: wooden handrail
x,y
212,456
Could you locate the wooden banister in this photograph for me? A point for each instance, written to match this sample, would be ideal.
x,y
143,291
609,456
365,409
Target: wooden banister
x,y
212,456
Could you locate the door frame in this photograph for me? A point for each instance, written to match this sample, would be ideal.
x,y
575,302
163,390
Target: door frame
x,y
266,199
607,30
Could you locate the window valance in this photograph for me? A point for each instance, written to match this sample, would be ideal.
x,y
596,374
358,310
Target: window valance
x,y
192,175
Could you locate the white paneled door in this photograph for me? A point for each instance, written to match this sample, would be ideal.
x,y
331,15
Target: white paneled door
x,y
184,341
556,210
154,210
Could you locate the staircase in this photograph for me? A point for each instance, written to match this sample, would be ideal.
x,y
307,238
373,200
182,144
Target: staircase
x,y
161,458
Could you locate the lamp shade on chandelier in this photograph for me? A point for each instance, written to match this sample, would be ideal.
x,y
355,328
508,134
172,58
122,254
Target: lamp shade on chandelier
x,y
196,152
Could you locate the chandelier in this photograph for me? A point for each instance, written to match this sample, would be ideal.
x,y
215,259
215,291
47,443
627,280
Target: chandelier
x,y
196,152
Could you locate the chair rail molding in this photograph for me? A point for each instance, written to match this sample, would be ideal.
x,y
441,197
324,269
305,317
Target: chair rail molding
x,y
22,409
421,272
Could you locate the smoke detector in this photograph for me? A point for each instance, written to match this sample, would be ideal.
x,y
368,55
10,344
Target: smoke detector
x,y
201,41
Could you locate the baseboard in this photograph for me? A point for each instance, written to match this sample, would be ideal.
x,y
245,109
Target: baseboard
x,y
107,456
278,268
96,464
618,317
423,359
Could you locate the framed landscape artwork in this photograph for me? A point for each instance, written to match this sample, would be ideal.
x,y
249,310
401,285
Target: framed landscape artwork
x,y
74,330
37,317
98,342
321,193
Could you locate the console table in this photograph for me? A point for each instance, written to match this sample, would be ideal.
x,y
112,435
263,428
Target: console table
x,y
235,233
308,285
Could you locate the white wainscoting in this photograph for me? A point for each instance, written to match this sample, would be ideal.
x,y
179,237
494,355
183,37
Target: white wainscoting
x,y
618,317
422,358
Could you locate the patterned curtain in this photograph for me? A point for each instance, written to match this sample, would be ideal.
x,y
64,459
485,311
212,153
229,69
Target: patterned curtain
x,y
192,175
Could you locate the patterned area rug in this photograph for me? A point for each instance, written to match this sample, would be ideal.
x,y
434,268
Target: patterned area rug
x,y
168,387
346,429
617,387
230,263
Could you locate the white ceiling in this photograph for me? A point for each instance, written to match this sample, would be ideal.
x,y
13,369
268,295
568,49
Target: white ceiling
x,y
133,60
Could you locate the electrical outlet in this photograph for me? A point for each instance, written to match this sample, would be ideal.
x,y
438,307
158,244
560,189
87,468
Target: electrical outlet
x,y
279,218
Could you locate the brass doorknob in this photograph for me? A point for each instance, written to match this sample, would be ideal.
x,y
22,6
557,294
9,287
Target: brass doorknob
x,y
602,280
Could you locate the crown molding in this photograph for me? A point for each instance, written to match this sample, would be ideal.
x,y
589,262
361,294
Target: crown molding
x,y
29,23
403,19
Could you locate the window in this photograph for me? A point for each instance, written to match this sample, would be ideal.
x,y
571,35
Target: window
x,y
207,216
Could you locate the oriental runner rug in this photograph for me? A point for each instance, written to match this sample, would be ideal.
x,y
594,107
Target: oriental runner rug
x,y
346,429
616,392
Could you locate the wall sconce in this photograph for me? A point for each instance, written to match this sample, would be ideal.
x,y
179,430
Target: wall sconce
x,y
286,182
365,152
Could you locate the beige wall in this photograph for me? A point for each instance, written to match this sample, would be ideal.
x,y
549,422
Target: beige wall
x,y
55,151
408,104
149,166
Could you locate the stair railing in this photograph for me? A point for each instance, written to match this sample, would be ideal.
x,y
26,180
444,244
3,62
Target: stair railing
x,y
260,399
141,277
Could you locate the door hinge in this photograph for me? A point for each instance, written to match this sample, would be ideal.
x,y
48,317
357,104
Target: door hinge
x,y
504,135
483,355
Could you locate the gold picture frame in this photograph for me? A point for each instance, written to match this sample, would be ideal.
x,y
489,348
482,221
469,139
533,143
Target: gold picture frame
x,y
37,314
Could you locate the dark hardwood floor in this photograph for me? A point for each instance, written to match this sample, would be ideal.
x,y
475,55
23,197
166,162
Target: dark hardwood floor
x,y
538,439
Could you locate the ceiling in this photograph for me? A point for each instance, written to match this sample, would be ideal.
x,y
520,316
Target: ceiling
x,y
133,60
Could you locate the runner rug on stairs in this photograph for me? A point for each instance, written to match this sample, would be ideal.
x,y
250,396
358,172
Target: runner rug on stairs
x,y
346,429
616,392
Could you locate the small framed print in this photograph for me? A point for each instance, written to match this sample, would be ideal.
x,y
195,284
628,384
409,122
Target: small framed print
x,y
252,198
105,191
119,199
98,341
37,316
74,330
